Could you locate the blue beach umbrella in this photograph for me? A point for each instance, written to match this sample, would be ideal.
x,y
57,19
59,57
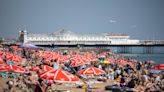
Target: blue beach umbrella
x,y
155,71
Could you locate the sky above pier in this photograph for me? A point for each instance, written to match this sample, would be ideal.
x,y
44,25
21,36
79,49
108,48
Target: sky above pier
x,y
141,19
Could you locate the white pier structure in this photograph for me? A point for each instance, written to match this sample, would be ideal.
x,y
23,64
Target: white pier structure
x,y
64,37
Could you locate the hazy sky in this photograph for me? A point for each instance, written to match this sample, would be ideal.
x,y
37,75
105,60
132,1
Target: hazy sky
x,y
141,19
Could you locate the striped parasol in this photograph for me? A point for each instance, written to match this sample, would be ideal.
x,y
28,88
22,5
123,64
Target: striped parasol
x,y
91,71
60,75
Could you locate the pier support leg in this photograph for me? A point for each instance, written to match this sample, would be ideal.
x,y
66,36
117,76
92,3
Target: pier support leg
x,y
148,50
125,49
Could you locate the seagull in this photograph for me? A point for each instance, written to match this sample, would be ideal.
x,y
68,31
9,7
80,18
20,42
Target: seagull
x,y
112,21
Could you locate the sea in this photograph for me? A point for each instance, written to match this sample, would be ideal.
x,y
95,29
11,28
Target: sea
x,y
157,58
138,53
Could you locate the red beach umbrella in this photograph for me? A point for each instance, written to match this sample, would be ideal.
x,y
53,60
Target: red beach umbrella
x,y
14,47
123,62
14,57
134,60
2,62
47,75
160,67
34,69
5,68
47,60
63,58
47,68
91,71
77,63
60,75
43,67
13,68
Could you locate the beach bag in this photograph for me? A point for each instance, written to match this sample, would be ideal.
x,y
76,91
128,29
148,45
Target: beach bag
x,y
84,86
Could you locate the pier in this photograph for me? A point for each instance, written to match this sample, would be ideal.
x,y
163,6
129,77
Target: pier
x,y
144,47
64,38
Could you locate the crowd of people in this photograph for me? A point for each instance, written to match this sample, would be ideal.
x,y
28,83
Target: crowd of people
x,y
135,74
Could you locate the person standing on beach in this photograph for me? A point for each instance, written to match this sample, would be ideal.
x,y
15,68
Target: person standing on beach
x,y
138,66
56,65
40,86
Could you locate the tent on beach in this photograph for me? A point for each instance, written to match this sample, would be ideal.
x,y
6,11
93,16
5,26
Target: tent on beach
x,y
25,45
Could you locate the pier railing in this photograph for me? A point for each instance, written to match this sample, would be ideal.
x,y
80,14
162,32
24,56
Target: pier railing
x,y
152,42
141,42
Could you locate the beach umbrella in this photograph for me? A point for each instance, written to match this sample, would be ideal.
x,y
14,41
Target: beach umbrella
x,y
77,63
94,59
133,60
14,47
19,49
155,71
47,68
32,50
2,62
1,52
14,58
47,60
34,69
91,71
13,68
160,67
61,59
48,56
112,61
47,75
59,75
106,61
5,68
123,62
18,69
43,67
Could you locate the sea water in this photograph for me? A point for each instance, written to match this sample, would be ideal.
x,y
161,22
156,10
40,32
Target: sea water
x,y
138,53
158,58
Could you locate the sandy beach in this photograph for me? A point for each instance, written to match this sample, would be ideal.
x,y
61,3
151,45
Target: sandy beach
x,y
40,70
72,88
